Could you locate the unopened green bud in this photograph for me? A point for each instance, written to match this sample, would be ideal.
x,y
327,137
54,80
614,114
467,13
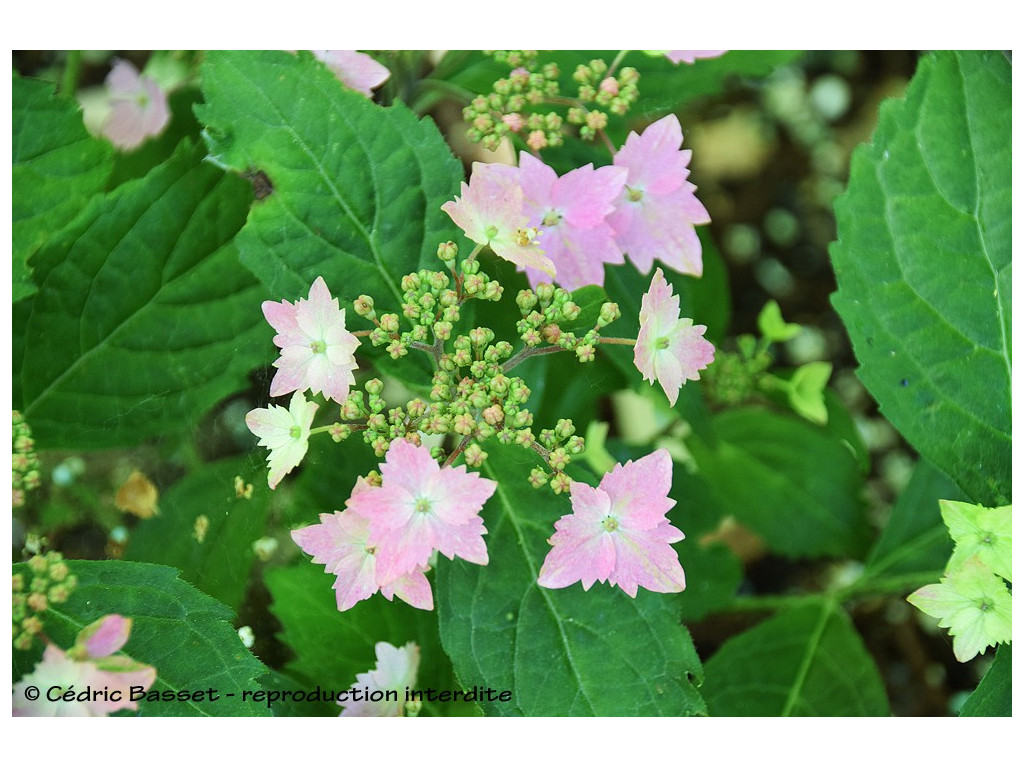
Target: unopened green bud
x,y
538,477
419,333
397,349
374,387
380,446
559,458
575,445
339,432
609,314
524,437
585,353
474,455
363,306
560,483
547,438
411,282
565,428
447,252
389,323
570,310
544,293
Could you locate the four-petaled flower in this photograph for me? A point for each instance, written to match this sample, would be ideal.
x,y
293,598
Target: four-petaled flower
x,y
490,212
285,431
571,213
317,351
669,348
655,215
357,71
618,532
341,543
421,507
396,670
973,603
138,107
91,665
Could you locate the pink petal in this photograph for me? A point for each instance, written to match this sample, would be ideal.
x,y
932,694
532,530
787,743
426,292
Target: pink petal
x,y
358,71
106,636
656,164
639,490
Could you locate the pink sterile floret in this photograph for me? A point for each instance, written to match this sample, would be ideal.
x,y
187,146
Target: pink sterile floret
x,y
285,431
317,351
396,670
89,666
669,348
341,543
571,213
691,56
420,507
138,107
358,71
618,532
657,210
490,212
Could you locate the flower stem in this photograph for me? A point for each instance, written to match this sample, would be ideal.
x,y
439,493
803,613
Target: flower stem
x,y
617,340
72,69
615,63
526,352
458,449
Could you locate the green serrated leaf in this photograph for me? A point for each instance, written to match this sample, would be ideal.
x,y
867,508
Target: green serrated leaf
x,y
144,317
357,188
807,662
923,264
57,168
994,695
792,482
564,651
220,563
186,635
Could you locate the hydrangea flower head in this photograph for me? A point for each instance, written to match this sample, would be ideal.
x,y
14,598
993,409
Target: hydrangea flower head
x,y
317,351
691,56
669,348
420,507
357,71
490,212
618,532
395,671
656,213
341,543
973,603
285,431
571,213
138,107
91,664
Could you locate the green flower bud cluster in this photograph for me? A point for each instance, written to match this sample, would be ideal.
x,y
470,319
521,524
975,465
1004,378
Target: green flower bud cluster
x,y
510,107
24,460
557,446
737,377
546,309
47,582
616,94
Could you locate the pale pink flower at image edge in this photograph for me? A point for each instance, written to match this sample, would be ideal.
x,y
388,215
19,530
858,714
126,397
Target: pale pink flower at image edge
x,y
490,212
571,213
341,543
317,350
657,211
285,431
421,507
395,671
90,664
619,532
691,56
358,71
669,349
139,107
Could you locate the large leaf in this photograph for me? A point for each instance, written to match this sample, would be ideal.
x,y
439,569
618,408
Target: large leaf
x,y
144,317
560,651
357,188
57,167
220,562
809,661
923,265
994,695
186,635
794,483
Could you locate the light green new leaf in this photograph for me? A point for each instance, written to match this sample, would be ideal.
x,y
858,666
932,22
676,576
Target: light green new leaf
x,y
809,661
144,318
560,651
57,167
357,188
186,635
923,265
220,563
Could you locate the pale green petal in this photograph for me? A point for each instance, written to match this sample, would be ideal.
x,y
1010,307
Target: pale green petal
x,y
980,531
